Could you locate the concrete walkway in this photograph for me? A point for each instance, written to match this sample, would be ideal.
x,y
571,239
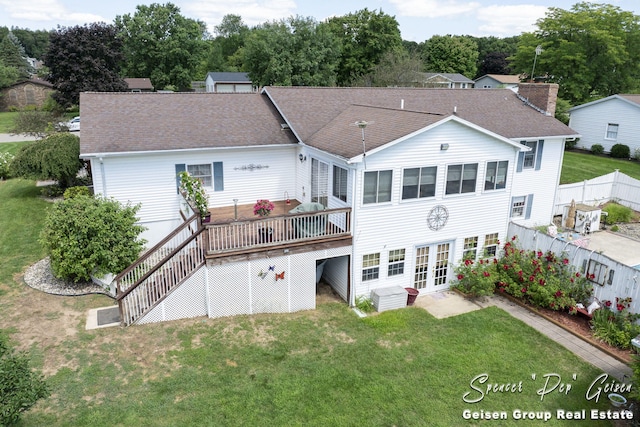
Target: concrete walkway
x,y
7,137
449,303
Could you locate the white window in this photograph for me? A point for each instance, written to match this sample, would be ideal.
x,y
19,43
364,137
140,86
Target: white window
x,y
612,131
470,248
490,244
396,262
340,183
530,156
517,206
461,178
496,176
370,266
377,187
201,172
419,182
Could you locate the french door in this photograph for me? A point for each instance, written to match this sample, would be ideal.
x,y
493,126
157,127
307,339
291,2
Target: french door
x,y
432,267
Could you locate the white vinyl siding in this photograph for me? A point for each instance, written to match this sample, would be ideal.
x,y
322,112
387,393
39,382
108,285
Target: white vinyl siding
x,y
591,122
402,223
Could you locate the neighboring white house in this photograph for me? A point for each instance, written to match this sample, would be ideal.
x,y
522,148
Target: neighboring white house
x,y
228,82
445,80
608,121
413,180
493,81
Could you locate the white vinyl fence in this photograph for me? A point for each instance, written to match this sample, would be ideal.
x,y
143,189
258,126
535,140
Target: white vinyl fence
x,y
614,186
612,279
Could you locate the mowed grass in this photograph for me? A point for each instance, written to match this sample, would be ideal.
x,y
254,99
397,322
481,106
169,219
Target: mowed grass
x,y
325,367
321,368
6,121
577,167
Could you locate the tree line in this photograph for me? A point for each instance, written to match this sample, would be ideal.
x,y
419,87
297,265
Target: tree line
x,y
590,50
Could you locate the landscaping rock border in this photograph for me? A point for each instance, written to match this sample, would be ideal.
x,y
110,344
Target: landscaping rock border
x,y
40,277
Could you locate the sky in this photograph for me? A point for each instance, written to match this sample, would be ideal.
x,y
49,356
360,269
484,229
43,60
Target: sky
x,y
419,19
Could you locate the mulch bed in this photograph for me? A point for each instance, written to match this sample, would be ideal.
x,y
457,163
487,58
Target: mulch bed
x,y
578,325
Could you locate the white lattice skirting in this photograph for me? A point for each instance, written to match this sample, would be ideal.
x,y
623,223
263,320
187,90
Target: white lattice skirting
x,y
282,284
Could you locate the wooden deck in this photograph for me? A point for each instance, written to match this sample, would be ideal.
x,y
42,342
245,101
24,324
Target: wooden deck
x,y
233,232
245,212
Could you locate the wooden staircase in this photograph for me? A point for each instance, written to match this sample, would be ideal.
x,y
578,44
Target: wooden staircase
x,y
150,279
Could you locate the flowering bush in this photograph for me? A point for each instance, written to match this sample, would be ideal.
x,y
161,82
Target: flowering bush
x,y
476,278
263,207
616,326
5,161
541,278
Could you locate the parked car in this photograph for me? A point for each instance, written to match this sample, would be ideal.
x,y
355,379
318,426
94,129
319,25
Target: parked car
x,y
74,124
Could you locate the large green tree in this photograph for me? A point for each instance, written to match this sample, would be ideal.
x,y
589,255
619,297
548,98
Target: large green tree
x,y
591,51
493,53
396,68
295,51
12,54
225,50
84,58
35,43
8,75
365,36
161,44
451,54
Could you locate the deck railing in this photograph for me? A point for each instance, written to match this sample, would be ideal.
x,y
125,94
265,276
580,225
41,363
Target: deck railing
x,y
240,236
157,255
156,284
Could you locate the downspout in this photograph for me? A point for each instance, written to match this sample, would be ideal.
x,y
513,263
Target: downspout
x,y
103,177
354,201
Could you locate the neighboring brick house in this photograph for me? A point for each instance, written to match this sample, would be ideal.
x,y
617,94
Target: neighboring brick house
x,y
32,92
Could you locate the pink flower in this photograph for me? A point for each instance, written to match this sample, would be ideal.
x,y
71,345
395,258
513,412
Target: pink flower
x,y
565,261
486,274
460,277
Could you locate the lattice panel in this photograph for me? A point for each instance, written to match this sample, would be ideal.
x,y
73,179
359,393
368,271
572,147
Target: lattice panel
x,y
270,278
187,300
229,289
303,281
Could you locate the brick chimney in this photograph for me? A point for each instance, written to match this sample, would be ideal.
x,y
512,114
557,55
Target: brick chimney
x,y
542,96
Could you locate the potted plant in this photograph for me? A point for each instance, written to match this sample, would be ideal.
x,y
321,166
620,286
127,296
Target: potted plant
x,y
194,193
263,208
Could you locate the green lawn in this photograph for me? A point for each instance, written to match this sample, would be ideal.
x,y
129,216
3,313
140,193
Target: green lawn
x,y
325,367
580,166
6,121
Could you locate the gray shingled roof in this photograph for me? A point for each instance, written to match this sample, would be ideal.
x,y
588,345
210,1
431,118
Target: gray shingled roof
x,y
635,99
128,122
324,117
228,77
139,83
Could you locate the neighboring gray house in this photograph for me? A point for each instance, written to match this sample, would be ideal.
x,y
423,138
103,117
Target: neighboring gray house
x,y
446,80
228,82
493,81
608,121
